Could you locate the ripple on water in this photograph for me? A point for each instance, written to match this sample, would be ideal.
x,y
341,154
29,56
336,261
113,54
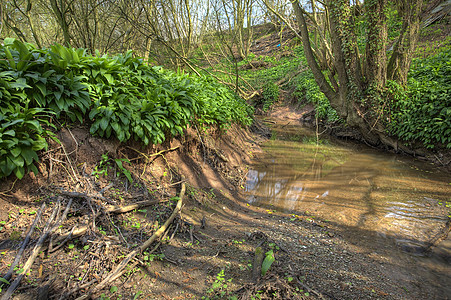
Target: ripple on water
x,y
392,195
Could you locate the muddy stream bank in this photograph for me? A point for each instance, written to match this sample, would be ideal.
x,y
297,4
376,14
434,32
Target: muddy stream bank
x,y
382,202
343,223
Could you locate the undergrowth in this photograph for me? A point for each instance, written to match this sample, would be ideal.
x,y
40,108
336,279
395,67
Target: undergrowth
x,y
118,96
422,111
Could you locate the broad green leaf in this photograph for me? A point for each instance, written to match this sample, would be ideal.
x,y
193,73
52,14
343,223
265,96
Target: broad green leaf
x,y
17,161
103,123
8,41
33,169
109,78
16,151
42,88
20,83
39,145
58,95
267,262
9,57
19,172
29,155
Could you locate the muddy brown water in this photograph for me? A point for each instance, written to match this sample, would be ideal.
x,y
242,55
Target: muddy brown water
x,y
401,200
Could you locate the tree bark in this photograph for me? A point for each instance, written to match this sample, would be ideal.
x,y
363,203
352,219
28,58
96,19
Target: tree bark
x,y
357,80
404,48
60,14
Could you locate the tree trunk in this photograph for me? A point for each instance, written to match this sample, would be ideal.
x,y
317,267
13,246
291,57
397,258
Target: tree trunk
x,y
356,80
404,48
60,13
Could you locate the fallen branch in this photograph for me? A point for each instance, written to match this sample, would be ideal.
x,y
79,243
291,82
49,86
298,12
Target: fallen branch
x,y
123,209
87,197
65,239
309,289
118,271
47,230
24,244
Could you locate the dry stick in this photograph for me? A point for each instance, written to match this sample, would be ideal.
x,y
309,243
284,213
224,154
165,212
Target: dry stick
x,y
154,154
309,289
67,237
127,208
74,233
24,244
87,295
70,235
83,195
32,257
118,230
117,272
70,163
147,157
10,190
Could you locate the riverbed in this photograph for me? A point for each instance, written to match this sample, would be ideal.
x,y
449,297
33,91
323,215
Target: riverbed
x,y
402,202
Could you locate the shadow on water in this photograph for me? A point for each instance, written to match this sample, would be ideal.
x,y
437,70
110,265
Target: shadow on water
x,y
395,200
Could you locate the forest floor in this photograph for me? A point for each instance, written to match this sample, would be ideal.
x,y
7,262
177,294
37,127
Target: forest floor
x,y
209,250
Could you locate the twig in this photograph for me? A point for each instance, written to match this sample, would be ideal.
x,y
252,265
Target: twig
x,y
309,289
84,195
67,237
118,271
34,254
118,229
175,231
123,209
76,289
24,244
106,188
69,161
147,157
12,187
197,238
191,235
70,235
175,183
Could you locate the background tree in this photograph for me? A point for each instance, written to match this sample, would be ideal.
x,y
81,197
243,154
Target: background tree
x,y
352,69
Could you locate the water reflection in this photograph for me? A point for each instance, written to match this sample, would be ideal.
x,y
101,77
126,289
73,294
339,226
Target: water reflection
x,y
364,188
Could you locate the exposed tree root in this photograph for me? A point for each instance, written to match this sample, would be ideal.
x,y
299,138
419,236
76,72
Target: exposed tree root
x,y
118,270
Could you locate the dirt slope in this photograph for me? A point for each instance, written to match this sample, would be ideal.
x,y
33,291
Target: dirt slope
x,y
208,251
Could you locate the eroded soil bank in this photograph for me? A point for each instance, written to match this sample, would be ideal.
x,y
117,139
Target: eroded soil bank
x,y
209,249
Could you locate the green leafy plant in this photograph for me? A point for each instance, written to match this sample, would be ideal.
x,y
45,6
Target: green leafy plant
x,y
21,136
119,164
422,112
268,261
270,95
218,289
121,96
3,281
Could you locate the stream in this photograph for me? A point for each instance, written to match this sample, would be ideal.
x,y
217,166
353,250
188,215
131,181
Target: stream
x,y
404,202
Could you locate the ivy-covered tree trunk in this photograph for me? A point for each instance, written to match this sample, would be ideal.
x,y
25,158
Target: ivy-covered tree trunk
x,y
356,77
407,40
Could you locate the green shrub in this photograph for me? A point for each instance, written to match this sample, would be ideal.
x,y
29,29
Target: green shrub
x,y
120,95
33,79
270,95
21,136
422,112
